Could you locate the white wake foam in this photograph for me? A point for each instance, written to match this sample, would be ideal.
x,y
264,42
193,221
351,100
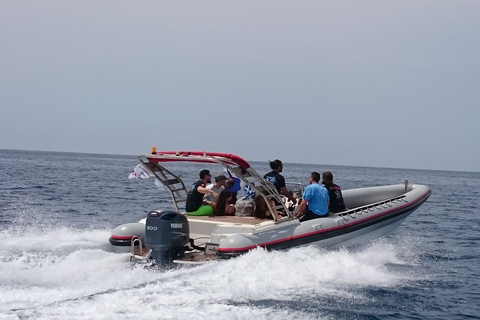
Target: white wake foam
x,y
65,272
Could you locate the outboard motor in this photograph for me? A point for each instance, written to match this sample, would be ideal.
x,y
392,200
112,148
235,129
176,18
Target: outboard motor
x,y
166,233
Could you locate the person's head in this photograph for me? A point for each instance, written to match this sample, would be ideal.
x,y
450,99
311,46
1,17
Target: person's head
x,y
260,207
276,165
327,177
225,195
261,210
228,184
205,175
314,177
221,179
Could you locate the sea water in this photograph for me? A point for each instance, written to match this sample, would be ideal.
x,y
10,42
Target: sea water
x,y
57,211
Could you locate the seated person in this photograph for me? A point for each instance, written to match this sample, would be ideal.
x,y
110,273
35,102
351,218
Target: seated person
x,y
261,210
224,206
218,187
233,185
278,180
316,197
334,192
195,205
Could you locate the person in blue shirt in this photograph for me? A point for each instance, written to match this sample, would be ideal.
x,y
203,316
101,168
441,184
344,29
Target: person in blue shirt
x,y
315,200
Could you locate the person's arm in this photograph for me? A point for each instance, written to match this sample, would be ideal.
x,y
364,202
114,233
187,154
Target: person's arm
x,y
301,207
275,212
207,191
287,194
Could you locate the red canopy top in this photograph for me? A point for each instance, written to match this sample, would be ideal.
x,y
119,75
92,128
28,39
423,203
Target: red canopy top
x,y
198,156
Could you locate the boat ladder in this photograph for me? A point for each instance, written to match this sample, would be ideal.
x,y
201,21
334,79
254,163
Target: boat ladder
x,y
171,181
136,251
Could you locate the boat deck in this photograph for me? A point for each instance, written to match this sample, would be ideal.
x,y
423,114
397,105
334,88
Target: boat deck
x,y
205,226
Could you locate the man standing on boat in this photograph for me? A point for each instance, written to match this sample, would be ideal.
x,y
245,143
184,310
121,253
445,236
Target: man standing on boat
x,y
195,205
316,197
278,180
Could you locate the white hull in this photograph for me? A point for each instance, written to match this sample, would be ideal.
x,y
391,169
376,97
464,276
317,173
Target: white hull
x,y
363,223
361,236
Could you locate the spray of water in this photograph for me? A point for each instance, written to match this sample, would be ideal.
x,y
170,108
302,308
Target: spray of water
x,y
52,273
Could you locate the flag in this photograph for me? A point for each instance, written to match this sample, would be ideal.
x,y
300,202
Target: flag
x,y
142,172
236,181
249,192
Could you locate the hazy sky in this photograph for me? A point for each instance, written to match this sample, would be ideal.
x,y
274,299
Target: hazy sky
x,y
362,83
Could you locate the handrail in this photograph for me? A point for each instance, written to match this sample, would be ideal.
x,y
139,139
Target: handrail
x,y
136,253
371,207
171,181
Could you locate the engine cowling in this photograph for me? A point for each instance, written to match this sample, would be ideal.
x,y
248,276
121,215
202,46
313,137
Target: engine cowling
x,y
166,234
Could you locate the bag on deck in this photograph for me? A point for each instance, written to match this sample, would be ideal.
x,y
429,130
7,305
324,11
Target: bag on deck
x,y
244,207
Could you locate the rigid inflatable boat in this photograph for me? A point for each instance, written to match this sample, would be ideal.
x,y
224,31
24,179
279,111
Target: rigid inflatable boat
x,y
172,236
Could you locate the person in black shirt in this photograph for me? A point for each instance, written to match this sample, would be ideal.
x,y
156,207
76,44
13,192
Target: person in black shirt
x,y
278,180
195,205
334,191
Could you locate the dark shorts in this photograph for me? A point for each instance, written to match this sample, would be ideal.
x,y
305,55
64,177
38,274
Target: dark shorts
x,y
309,215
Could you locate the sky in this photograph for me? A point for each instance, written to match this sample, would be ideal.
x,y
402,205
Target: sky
x,y
379,83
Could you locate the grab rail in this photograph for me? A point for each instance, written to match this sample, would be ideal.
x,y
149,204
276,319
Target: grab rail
x,y
136,253
352,213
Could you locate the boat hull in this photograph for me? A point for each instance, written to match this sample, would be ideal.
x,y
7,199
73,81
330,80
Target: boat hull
x,y
232,236
353,227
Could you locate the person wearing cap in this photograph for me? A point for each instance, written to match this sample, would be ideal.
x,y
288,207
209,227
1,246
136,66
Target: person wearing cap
x,y
278,180
195,205
218,186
